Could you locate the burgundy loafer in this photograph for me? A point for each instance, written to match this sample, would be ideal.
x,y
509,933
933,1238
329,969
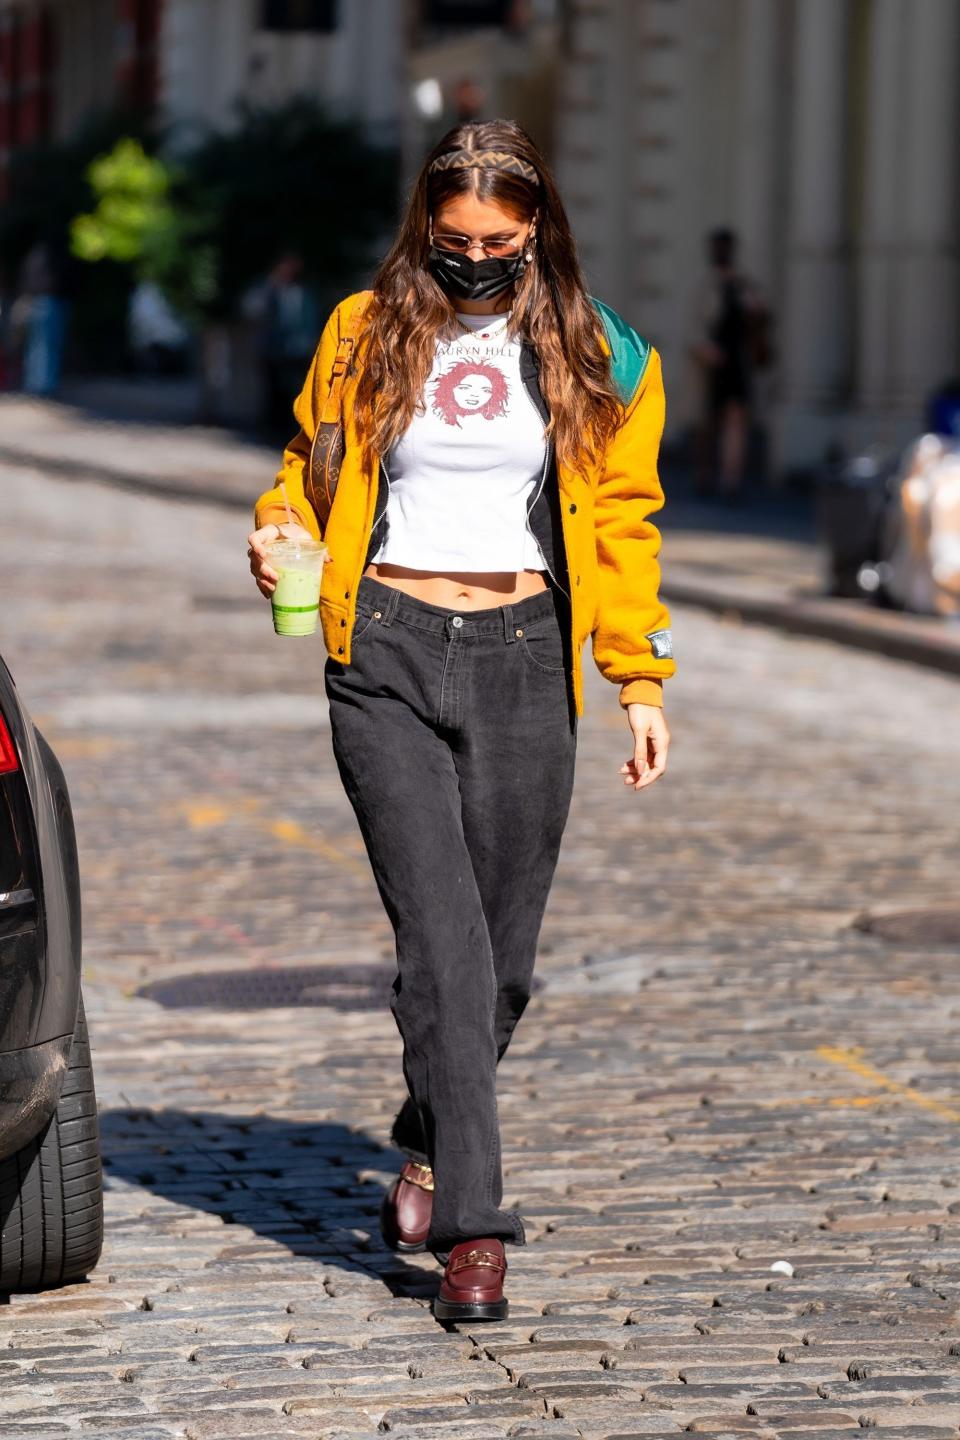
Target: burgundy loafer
x,y
406,1209
472,1284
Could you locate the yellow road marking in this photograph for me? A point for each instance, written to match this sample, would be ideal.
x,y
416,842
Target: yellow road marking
x,y
202,815
206,812
294,834
850,1060
859,1101
79,747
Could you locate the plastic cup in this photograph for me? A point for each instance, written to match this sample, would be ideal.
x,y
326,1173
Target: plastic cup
x,y
296,600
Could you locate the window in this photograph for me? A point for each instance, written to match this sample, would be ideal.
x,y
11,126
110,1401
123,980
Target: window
x,y
467,12
316,15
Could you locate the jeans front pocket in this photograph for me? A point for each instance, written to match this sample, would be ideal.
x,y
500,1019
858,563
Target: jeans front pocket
x,y
543,648
361,625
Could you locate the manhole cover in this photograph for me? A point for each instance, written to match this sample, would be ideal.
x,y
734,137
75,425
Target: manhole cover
x,y
346,987
915,927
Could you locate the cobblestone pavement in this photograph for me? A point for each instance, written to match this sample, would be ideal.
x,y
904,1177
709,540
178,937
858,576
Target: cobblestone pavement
x,y
729,1115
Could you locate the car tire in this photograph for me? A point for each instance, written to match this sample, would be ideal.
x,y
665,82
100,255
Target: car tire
x,y
51,1191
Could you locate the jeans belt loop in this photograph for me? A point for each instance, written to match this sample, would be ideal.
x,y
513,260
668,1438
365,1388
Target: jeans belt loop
x,y
390,606
508,634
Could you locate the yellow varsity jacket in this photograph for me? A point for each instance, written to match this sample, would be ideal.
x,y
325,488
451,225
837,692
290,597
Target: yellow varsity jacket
x,y
611,544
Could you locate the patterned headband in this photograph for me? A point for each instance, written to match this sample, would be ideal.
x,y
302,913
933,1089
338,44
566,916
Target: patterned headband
x,y
485,160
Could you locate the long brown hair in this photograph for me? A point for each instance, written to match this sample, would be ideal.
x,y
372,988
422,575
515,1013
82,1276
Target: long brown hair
x,y
551,308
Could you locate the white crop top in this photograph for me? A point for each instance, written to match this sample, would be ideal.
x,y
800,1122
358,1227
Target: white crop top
x,y
462,474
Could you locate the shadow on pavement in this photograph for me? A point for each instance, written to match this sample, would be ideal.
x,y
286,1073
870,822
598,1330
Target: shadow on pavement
x,y
300,1185
776,512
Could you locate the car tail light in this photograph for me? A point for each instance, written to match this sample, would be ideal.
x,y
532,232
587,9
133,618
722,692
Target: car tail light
x,y
8,755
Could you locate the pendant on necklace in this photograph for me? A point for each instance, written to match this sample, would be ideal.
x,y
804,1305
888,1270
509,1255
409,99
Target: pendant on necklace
x,y
484,334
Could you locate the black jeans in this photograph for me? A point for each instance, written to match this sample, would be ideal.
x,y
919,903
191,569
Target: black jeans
x,y
455,737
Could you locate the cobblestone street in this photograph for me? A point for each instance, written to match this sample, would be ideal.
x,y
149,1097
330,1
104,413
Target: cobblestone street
x,y
729,1114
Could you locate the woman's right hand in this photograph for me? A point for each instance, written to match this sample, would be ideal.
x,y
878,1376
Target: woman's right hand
x,y
265,576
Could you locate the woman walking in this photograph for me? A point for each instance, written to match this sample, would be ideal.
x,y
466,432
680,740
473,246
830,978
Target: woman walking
x,y
501,432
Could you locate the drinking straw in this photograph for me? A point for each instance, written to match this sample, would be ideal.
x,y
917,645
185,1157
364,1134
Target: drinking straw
x,y
286,501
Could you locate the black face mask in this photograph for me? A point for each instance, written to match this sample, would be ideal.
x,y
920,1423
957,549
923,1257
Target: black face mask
x,y
473,279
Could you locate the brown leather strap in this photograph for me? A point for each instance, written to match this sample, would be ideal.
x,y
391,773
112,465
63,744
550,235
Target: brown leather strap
x,y
343,360
322,472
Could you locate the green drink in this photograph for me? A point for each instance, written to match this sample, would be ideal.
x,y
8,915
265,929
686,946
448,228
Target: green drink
x,y
296,600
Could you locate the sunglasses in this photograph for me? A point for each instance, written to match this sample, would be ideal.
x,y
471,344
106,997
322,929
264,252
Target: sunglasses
x,y
493,249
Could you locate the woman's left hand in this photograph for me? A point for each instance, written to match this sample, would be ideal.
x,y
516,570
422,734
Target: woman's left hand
x,y
651,740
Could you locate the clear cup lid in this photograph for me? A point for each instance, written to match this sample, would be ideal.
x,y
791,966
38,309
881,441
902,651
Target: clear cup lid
x,y
285,549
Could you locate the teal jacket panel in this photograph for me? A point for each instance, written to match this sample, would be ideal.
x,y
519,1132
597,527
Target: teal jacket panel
x,y
629,352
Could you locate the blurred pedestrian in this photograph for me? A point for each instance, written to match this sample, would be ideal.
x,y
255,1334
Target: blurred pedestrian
x,y
157,336
730,340
44,310
285,311
517,424
7,352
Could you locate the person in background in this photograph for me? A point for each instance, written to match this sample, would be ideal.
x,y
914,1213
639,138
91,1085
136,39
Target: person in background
x,y
285,311
157,336
44,310
730,341
6,331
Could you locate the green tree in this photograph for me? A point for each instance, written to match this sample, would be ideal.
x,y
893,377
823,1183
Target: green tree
x,y
48,187
125,201
137,222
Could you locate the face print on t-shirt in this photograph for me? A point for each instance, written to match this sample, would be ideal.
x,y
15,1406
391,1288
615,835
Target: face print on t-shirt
x,y
471,387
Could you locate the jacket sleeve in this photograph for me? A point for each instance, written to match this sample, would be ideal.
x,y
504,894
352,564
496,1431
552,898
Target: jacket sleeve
x,y
270,509
631,636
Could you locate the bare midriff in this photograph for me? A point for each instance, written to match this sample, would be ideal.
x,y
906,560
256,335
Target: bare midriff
x,y
468,590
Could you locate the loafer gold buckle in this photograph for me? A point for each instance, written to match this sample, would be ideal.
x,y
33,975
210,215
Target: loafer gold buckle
x,y
424,1179
476,1257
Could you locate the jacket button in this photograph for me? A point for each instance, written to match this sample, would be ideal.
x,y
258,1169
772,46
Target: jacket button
x,y
573,509
339,649
346,594
578,579
343,623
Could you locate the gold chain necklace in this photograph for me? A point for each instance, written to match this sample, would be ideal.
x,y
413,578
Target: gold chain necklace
x,y
484,334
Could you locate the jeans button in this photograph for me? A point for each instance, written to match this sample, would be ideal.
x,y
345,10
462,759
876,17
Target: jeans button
x,y
457,621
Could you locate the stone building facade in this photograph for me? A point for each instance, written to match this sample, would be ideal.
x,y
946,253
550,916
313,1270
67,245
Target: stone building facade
x,y
191,60
827,133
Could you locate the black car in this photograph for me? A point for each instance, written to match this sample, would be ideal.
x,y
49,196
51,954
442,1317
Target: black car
x,y
51,1202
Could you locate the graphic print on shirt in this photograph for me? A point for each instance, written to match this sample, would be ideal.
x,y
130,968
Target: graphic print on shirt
x,y
459,487
471,387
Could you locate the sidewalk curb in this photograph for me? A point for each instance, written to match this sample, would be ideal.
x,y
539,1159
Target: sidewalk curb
x,y
919,640
885,632
212,494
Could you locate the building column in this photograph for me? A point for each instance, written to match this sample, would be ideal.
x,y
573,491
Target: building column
x,y
816,359
596,140
882,201
204,55
758,136
927,293
909,271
